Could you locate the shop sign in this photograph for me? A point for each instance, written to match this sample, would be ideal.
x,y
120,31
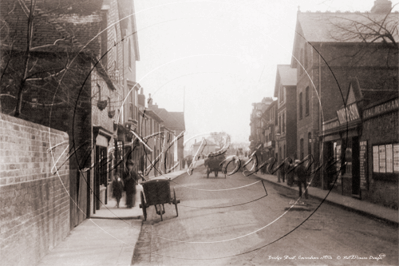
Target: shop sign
x,y
348,114
382,108
363,165
330,125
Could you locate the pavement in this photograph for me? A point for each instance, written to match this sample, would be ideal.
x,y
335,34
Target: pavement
x,y
106,238
362,207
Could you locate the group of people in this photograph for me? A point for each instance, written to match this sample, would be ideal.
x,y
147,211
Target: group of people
x,y
127,183
295,171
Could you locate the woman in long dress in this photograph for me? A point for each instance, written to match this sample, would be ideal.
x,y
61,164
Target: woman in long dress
x,y
130,179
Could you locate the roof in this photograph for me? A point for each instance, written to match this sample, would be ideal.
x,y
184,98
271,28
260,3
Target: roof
x,y
153,115
342,28
285,76
333,27
370,91
172,120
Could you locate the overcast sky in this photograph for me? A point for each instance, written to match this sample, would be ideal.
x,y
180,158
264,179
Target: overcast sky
x,y
222,53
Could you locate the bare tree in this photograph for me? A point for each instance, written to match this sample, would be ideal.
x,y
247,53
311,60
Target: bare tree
x,y
45,67
375,31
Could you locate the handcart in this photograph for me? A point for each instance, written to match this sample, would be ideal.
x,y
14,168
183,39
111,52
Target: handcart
x,y
157,192
213,164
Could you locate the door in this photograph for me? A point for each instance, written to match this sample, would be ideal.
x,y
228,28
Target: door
x,y
355,167
101,177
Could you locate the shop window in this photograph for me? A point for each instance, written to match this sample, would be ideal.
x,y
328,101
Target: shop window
x,y
309,143
301,149
386,158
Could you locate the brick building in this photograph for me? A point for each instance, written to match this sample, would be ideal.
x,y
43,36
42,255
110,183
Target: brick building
x,y
270,118
81,68
285,91
327,58
173,125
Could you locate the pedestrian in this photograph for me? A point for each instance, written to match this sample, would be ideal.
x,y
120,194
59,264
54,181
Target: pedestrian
x,y
301,172
289,172
117,188
130,179
281,173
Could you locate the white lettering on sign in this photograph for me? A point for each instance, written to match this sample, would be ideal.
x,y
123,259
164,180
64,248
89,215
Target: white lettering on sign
x,y
385,107
348,114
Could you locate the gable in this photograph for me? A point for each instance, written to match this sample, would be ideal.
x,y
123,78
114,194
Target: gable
x,y
351,96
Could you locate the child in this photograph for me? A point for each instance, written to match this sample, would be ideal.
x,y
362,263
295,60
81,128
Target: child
x,y
117,189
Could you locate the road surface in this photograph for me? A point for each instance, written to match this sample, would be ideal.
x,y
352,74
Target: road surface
x,y
235,221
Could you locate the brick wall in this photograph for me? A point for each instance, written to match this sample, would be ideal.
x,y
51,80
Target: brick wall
x,y
34,203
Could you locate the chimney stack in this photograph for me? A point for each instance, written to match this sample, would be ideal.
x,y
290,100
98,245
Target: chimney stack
x,y
149,101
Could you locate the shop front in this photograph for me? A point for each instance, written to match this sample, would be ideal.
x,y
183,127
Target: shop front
x,y
341,144
380,140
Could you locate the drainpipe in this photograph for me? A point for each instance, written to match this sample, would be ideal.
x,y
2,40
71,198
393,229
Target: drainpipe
x,y
320,124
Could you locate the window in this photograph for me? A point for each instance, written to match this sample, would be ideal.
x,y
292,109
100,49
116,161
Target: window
x,y
300,106
99,92
386,158
129,50
307,95
309,143
131,111
305,56
283,120
284,152
301,149
279,124
282,94
300,63
109,104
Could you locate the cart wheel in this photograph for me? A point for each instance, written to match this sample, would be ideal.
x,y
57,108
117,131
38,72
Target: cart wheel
x,y
175,202
143,206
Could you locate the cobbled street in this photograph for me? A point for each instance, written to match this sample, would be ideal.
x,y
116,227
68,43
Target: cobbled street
x,y
245,227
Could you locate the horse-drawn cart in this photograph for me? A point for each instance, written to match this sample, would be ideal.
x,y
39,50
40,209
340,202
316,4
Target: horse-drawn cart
x,y
213,164
157,192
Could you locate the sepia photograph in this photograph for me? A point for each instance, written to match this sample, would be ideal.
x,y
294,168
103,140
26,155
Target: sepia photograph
x,y
199,132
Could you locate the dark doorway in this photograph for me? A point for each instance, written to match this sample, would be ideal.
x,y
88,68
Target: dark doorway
x,y
100,177
355,167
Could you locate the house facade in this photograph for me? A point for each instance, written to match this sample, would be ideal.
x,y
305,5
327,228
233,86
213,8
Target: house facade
x,y
285,91
81,68
270,117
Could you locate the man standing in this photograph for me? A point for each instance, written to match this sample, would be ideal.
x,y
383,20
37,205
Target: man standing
x,y
130,179
301,172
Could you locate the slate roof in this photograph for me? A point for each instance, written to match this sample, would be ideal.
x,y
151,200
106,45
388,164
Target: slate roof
x,y
365,91
287,75
318,27
172,120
